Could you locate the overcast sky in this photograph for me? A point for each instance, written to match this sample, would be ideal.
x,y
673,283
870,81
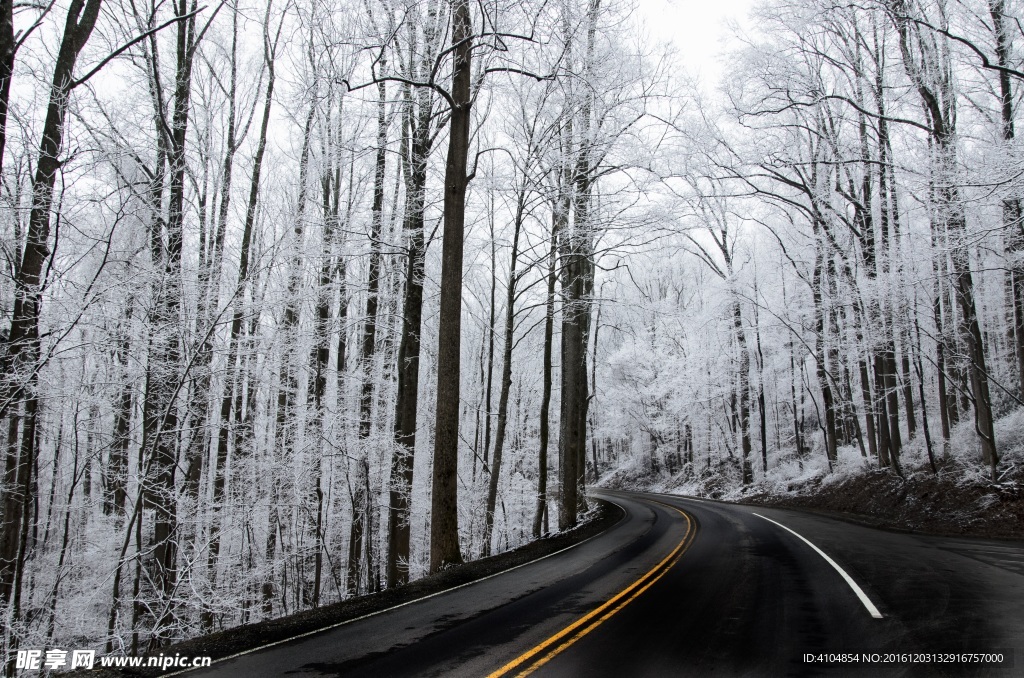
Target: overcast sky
x,y
697,28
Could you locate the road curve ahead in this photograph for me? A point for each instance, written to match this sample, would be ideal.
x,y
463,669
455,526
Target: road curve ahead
x,y
682,587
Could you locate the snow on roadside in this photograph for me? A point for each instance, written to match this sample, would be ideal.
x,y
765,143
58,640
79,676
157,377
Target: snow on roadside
x,y
960,499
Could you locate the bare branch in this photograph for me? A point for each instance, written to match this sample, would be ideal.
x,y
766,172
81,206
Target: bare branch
x,y
131,43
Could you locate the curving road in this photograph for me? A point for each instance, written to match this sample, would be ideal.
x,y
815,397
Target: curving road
x,y
682,587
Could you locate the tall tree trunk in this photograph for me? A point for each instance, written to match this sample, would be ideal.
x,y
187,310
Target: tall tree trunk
x,y
7,49
876,259
444,515
583,205
888,177
865,224
285,421
575,331
964,285
572,358
407,397
361,510
166,359
330,196
1013,218
200,409
890,441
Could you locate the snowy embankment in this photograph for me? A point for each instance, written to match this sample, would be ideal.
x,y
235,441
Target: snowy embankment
x,y
958,498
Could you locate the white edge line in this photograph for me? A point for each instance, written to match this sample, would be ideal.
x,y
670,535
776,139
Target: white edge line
x,y
389,609
849,580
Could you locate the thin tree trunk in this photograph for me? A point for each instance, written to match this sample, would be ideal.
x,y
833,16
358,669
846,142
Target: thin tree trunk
x,y
940,341
881,412
593,388
908,386
540,511
744,391
65,539
200,410
821,368
924,406
115,479
762,414
231,399
489,382
320,352
506,377
892,405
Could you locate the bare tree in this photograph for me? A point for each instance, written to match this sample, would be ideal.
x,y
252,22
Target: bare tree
x,y
923,59
22,353
421,129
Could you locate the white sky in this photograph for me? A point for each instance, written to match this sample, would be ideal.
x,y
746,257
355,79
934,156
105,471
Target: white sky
x,y
697,28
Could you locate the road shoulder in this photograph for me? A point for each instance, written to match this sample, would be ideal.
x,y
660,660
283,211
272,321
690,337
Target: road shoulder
x,y
250,636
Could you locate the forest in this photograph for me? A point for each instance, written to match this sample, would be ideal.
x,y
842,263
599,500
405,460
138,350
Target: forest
x,y
306,299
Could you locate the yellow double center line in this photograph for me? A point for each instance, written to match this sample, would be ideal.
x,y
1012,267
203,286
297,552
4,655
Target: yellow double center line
x,y
540,655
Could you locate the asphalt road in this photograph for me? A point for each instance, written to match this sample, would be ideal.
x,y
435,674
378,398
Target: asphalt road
x,y
682,587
